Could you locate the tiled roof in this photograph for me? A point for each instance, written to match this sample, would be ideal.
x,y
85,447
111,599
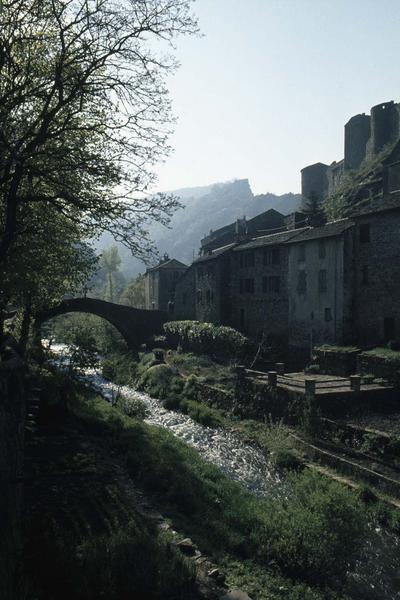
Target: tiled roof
x,y
268,240
215,253
172,263
328,230
387,202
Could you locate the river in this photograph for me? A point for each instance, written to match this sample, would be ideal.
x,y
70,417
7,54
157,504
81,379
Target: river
x,y
376,575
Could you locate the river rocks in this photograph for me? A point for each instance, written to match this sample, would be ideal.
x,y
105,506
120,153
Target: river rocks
x,y
187,547
235,595
216,575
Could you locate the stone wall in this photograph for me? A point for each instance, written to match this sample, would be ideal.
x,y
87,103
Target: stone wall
x,y
260,306
185,307
377,277
337,362
387,368
318,314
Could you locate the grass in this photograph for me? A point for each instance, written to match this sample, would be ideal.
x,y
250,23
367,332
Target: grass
x,y
341,349
206,369
385,353
310,534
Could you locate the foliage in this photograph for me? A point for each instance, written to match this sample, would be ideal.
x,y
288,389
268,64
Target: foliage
x,y
387,354
82,351
310,531
159,380
205,338
314,211
356,186
314,530
133,293
108,282
83,123
312,368
120,368
339,349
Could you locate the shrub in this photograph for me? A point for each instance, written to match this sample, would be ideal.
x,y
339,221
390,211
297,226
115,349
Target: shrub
x,y
313,368
205,338
313,529
160,380
120,368
285,460
366,495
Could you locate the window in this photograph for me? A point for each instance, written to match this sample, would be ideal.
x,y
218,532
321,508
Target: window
x,y
199,296
302,253
365,275
271,284
247,259
328,314
302,282
272,256
365,233
249,286
389,329
208,297
322,281
321,249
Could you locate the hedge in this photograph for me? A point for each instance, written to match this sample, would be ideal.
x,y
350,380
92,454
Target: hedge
x,y
205,338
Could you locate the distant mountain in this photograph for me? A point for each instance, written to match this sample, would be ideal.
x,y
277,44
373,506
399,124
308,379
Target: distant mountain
x,y
205,208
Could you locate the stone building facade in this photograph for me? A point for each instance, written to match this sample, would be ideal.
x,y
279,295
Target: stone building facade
x,y
320,280
377,271
259,296
160,283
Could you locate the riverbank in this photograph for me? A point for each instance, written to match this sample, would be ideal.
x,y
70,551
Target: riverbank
x,y
260,544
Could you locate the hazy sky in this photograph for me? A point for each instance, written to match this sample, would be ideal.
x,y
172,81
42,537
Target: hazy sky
x,y
269,87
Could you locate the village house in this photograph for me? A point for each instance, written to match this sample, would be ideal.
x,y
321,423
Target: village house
x,y
320,283
160,282
259,295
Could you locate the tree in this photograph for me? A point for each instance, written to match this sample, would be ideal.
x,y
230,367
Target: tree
x,y
110,262
84,113
133,294
314,211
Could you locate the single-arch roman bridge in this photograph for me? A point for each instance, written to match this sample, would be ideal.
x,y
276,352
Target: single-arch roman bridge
x,y
135,325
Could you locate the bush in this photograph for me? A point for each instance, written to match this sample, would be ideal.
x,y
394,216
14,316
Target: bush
x,y
313,368
160,380
285,460
205,338
120,368
313,529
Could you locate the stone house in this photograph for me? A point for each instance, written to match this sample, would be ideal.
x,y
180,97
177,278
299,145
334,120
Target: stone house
x,y
320,284
160,282
259,297
269,220
185,295
212,284
377,271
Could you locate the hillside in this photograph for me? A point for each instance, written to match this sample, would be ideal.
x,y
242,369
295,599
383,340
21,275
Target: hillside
x,y
205,208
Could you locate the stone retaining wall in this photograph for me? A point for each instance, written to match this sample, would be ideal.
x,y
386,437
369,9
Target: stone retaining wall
x,y
336,362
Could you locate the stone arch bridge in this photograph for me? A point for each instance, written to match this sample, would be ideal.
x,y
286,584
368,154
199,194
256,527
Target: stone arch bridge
x,y
134,324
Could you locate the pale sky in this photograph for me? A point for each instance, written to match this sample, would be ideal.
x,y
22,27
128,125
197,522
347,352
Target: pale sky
x,y
269,87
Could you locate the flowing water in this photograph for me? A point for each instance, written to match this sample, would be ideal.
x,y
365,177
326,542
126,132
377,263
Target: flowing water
x,y
377,572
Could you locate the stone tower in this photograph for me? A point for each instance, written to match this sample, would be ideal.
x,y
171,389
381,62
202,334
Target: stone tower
x,y
357,132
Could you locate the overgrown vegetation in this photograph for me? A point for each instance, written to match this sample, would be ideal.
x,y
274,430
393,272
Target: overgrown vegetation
x,y
205,338
309,531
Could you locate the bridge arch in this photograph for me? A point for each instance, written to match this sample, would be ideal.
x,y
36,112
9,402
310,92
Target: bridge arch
x,y
135,325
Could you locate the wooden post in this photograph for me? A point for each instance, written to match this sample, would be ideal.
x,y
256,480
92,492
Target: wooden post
x,y
309,385
272,378
355,383
280,368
